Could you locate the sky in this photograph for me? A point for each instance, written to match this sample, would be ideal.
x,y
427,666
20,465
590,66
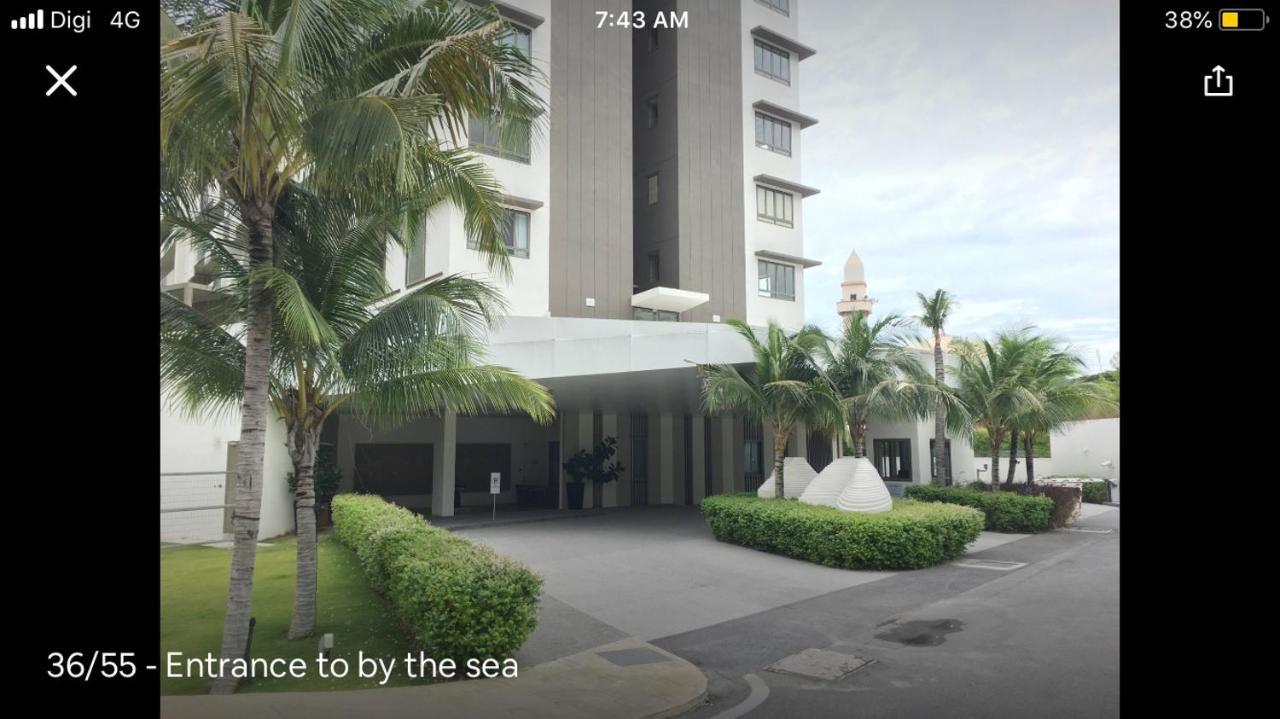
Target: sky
x,y
970,145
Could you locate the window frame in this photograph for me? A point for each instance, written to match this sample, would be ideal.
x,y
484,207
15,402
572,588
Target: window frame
x,y
901,446
513,249
788,218
652,189
762,48
779,276
782,128
782,7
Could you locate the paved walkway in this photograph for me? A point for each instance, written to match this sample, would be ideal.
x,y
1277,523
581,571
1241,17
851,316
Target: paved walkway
x,y
627,678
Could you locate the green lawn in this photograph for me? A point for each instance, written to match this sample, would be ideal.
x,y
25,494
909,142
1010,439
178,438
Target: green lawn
x,y
193,594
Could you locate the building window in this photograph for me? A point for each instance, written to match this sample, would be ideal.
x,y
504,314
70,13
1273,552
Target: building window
x,y
777,280
752,455
488,135
933,462
774,206
893,459
639,468
651,107
782,6
519,37
773,134
653,268
653,189
517,235
415,263
648,315
773,62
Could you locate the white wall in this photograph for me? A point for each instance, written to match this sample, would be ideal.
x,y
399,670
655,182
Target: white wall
x,y
1081,448
200,445
761,235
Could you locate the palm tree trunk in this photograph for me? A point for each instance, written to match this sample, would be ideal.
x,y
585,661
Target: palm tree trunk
x,y
302,449
1029,439
939,414
1013,457
253,429
779,457
994,442
859,440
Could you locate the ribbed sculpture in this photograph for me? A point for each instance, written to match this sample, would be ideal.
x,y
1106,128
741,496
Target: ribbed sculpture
x,y
865,491
797,474
825,489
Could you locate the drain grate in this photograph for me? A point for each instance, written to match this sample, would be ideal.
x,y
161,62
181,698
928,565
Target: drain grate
x,y
1088,530
990,564
819,664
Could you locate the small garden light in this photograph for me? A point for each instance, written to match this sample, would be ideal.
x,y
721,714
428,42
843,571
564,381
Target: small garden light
x,y
326,645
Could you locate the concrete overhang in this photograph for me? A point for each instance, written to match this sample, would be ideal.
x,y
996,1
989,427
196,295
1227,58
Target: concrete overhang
x,y
801,50
788,185
669,299
785,113
513,13
804,262
523,203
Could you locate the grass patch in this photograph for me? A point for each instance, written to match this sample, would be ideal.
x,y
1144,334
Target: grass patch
x,y
193,596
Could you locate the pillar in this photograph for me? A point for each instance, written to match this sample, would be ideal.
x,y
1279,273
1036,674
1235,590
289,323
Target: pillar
x,y
609,428
665,473
698,448
444,448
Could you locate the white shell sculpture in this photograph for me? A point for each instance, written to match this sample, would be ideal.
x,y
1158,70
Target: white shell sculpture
x,y
796,476
865,491
825,489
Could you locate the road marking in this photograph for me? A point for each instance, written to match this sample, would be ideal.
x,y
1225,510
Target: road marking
x,y
759,692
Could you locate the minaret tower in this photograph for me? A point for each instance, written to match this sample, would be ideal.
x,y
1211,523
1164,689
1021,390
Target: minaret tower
x,y
853,291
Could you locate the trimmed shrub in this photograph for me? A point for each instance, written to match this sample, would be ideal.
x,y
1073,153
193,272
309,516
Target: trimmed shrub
x,y
1066,501
911,536
1095,492
1004,511
461,600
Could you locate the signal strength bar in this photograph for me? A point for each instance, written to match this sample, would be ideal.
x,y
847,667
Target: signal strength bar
x,y
33,21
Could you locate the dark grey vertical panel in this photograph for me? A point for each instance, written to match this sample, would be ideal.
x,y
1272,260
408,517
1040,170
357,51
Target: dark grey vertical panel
x,y
591,167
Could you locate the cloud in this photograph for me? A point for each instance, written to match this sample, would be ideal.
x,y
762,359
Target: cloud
x,y
971,146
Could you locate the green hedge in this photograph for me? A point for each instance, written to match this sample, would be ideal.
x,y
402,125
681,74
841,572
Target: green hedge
x,y
1004,511
460,599
1095,492
911,536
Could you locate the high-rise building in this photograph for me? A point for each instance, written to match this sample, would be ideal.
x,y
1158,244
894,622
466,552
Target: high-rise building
x,y
659,196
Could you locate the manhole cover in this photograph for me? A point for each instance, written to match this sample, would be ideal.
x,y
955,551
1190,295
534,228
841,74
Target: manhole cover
x,y
1088,530
990,564
922,633
819,664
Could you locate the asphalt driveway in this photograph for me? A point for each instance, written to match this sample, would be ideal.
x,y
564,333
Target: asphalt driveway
x,y
653,572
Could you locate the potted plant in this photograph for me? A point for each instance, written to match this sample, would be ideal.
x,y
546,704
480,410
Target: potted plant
x,y
328,477
596,466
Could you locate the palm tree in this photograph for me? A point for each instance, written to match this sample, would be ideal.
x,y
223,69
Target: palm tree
x,y
784,386
1053,375
992,385
334,348
933,315
876,375
352,95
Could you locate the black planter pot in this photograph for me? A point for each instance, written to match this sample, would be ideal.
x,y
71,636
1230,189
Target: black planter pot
x,y
573,491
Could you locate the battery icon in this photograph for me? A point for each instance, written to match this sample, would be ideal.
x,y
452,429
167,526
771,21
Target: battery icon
x,y
1242,19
